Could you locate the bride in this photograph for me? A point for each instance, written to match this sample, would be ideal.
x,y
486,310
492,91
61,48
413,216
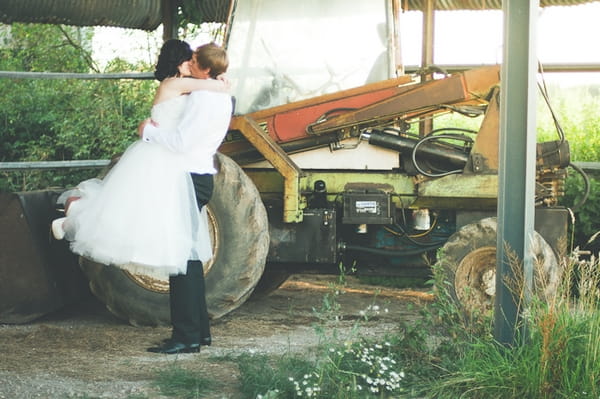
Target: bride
x,y
143,216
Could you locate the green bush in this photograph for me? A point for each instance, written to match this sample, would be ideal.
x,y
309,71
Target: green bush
x,y
577,113
587,217
576,109
64,119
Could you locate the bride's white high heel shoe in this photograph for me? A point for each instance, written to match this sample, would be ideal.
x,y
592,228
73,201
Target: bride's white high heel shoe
x,y
57,228
58,225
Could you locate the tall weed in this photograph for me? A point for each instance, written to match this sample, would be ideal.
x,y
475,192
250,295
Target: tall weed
x,y
557,357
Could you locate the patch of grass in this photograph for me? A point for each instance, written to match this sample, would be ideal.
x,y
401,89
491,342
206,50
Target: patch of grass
x,y
558,357
341,367
343,371
262,376
183,384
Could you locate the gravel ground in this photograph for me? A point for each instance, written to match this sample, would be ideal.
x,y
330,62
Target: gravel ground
x,y
85,352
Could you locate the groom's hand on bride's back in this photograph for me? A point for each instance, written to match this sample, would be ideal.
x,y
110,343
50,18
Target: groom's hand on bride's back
x,y
143,124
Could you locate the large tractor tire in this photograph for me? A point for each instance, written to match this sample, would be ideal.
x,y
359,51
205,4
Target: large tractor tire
x,y
270,281
468,261
240,238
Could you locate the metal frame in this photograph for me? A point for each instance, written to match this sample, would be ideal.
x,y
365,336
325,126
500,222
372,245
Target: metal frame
x,y
517,157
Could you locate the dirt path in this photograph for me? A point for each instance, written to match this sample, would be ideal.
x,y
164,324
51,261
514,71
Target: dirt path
x,y
86,351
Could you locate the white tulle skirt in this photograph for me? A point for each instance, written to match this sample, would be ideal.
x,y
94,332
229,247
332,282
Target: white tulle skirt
x,y
142,217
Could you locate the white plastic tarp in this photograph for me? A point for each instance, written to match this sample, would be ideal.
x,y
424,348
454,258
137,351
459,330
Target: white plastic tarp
x,y
287,50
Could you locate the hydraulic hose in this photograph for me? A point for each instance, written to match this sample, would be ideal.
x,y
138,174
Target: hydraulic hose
x,y
430,138
586,193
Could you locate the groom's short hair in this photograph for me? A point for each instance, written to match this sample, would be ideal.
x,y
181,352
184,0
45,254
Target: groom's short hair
x,y
212,56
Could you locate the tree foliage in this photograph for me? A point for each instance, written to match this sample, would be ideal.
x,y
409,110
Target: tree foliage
x,y
63,119
576,110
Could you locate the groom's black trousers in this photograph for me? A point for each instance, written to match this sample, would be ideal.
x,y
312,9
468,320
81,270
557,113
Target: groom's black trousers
x,y
189,315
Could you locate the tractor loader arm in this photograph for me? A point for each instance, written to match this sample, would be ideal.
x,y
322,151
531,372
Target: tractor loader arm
x,y
345,113
272,133
467,88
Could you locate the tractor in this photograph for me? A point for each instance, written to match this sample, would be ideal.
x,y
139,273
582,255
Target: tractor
x,y
335,160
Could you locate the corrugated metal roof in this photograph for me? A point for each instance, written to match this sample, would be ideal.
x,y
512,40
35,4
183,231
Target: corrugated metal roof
x,y
140,14
447,5
147,14
137,14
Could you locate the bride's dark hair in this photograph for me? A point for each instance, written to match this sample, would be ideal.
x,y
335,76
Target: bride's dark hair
x,y
172,53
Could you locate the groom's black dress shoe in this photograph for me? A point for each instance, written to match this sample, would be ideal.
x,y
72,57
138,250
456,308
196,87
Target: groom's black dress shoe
x,y
172,347
206,341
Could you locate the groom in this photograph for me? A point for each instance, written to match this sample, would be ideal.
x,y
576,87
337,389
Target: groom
x,y
199,134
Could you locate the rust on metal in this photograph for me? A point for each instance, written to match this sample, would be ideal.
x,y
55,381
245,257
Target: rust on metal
x,y
484,155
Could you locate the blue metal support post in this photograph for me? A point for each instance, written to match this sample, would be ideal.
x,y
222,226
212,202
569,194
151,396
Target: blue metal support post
x,y
516,184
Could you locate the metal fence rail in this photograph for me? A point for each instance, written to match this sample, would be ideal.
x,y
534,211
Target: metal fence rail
x,y
554,67
547,68
41,165
66,75
588,167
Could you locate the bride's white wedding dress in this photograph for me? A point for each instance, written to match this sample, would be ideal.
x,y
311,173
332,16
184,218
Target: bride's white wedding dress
x,y
143,216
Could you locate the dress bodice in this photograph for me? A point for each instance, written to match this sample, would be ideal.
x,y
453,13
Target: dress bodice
x,y
168,113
